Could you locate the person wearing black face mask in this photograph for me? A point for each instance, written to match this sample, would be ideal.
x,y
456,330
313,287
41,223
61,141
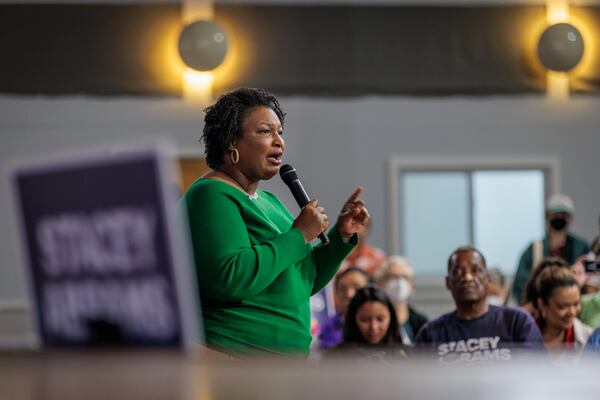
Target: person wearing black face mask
x,y
558,242
559,222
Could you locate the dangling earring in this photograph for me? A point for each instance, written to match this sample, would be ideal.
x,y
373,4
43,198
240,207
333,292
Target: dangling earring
x,y
235,156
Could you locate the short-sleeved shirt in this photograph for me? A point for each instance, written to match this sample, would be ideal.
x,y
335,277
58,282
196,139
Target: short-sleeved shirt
x,y
497,335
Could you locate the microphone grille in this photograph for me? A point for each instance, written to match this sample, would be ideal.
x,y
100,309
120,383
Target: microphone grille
x,y
288,174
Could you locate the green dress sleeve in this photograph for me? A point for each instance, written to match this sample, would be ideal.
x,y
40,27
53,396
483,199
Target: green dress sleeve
x,y
329,258
230,267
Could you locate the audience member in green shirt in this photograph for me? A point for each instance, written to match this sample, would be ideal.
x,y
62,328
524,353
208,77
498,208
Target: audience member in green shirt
x,y
255,265
590,310
558,242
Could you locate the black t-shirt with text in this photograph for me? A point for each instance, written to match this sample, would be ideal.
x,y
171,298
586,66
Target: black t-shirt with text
x,y
495,336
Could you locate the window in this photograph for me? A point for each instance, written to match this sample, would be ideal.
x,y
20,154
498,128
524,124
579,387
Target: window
x,y
499,210
435,217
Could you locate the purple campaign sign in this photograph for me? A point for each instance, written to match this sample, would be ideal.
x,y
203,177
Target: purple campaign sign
x,y
99,241
321,304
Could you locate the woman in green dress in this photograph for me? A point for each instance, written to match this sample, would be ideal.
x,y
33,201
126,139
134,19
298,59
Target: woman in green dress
x,y
255,265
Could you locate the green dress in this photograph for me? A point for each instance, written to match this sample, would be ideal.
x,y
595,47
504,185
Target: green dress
x,y
254,271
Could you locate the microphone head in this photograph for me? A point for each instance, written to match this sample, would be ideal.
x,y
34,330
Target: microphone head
x,y
288,174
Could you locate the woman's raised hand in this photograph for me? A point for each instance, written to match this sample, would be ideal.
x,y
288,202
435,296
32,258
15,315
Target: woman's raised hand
x,y
353,216
311,221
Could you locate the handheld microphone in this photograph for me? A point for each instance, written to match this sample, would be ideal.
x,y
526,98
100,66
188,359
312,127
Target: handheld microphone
x,y
290,177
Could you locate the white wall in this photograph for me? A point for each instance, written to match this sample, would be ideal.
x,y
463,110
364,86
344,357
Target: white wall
x,y
335,144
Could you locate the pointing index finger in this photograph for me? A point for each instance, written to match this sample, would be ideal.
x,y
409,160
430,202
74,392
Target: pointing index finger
x,y
355,195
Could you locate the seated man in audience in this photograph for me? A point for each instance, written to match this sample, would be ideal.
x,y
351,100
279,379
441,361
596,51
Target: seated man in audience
x,y
346,284
476,331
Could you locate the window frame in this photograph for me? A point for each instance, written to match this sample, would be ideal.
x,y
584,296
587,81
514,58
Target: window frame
x,y
397,165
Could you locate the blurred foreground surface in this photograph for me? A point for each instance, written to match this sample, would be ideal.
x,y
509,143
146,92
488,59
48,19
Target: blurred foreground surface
x,y
172,375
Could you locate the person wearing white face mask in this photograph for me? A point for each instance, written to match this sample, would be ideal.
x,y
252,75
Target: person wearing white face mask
x,y
495,289
397,278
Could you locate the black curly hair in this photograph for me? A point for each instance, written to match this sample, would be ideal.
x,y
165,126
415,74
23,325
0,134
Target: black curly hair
x,y
463,249
223,120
